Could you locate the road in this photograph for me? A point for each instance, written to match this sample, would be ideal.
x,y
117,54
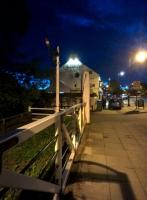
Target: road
x,y
111,162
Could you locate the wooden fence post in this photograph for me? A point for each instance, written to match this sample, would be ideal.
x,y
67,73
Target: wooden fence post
x,y
80,119
86,95
58,149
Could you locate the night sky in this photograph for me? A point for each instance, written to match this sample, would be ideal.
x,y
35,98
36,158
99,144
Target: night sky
x,y
103,33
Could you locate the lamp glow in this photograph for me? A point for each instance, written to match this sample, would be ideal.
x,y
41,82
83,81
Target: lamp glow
x,y
73,62
141,56
122,73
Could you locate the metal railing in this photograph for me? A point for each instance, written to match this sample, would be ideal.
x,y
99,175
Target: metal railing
x,y
10,123
69,125
38,113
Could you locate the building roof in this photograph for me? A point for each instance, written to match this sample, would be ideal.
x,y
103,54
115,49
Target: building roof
x,y
75,65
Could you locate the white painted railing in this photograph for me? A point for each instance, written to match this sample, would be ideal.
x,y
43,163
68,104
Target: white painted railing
x,y
63,137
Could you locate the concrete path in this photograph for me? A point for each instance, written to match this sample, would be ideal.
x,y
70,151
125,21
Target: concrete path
x,y
111,163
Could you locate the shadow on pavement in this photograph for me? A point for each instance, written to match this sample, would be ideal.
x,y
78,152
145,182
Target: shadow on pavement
x,y
134,112
112,176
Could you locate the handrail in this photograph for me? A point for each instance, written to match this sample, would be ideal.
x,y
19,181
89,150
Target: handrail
x,y
27,131
34,108
35,127
8,179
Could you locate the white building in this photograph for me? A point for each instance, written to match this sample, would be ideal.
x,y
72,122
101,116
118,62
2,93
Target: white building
x,y
71,76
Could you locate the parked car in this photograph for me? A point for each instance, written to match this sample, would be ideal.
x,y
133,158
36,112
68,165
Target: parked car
x,y
124,96
115,104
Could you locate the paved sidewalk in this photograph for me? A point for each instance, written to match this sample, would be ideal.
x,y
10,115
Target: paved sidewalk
x,y
126,110
111,163
132,109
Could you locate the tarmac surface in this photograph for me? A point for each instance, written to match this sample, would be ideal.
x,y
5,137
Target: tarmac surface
x,y
111,163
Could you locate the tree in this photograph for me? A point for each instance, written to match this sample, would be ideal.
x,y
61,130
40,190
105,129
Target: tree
x,y
144,88
135,88
15,99
114,87
10,92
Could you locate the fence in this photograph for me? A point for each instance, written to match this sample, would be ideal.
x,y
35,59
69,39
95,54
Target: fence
x,y
66,141
10,123
38,113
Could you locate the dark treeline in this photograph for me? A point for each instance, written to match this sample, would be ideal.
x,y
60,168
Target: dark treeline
x,y
15,99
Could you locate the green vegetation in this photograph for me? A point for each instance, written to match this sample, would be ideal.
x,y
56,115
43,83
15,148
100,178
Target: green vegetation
x,y
114,87
18,157
21,159
15,99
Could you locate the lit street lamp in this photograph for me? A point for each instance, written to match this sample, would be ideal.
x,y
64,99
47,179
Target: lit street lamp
x,y
57,74
57,80
121,73
141,56
57,130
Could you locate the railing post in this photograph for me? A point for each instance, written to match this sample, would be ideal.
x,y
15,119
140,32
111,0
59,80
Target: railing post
x,y
80,120
83,119
86,96
29,108
74,132
58,149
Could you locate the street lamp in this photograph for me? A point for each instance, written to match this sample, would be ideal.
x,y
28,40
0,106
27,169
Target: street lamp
x,y
57,74
121,73
141,56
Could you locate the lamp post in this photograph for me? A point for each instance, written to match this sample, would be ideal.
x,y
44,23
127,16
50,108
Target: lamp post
x,y
58,144
140,57
121,73
57,74
128,99
57,80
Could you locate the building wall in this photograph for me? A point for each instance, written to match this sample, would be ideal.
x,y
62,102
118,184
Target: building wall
x,y
71,76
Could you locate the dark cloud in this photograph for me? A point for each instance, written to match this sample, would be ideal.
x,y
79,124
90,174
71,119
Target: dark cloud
x,y
102,33
13,25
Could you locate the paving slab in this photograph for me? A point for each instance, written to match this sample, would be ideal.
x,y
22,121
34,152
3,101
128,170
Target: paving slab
x,y
111,160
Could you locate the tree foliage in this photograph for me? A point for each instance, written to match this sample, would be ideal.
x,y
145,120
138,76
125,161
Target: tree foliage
x,y
114,87
10,102
15,99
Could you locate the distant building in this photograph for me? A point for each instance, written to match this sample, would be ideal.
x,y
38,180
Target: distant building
x,y
71,76
71,83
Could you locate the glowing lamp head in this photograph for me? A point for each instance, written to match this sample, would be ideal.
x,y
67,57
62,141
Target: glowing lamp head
x,y
47,42
73,62
122,73
141,56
